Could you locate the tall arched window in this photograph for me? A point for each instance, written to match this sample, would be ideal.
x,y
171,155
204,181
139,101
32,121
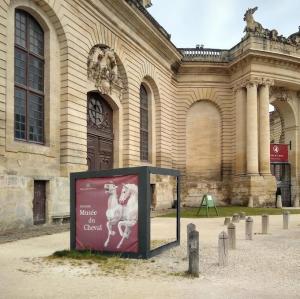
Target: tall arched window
x,y
29,78
144,124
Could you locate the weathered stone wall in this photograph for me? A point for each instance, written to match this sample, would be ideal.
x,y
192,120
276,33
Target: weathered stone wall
x,y
164,188
255,191
195,189
17,195
16,202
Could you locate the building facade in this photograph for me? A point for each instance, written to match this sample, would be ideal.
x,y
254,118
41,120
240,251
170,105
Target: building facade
x,y
98,84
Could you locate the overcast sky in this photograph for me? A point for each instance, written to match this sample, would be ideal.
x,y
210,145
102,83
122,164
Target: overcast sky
x,y
219,23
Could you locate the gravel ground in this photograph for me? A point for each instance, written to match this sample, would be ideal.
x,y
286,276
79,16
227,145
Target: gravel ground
x,y
33,231
267,267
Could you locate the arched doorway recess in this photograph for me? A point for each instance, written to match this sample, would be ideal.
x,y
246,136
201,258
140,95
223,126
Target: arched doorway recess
x,y
203,145
283,131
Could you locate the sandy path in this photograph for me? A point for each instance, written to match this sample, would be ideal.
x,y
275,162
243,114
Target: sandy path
x,y
267,267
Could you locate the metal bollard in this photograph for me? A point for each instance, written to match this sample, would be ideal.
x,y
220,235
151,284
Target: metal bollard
x,y
231,236
264,224
286,218
223,249
249,228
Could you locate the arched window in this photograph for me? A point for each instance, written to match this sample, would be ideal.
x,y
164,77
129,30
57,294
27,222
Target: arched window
x,y
29,78
144,124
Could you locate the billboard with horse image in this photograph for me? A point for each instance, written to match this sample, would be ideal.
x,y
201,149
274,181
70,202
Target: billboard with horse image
x,y
111,210
107,213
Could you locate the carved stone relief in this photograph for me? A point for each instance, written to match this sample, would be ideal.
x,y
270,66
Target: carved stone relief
x,y
280,93
103,70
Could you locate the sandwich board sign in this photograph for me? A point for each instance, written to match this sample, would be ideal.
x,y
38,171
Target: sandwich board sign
x,y
207,202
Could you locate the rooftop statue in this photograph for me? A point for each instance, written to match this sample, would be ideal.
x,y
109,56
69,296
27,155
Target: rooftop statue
x,y
146,3
254,28
252,25
295,36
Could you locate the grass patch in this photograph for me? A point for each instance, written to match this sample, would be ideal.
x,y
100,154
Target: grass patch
x,y
105,263
79,255
228,211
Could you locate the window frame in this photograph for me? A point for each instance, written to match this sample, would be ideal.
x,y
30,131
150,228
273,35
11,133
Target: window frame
x,y
26,88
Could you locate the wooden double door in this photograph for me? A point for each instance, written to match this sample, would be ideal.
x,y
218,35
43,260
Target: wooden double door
x,y
99,133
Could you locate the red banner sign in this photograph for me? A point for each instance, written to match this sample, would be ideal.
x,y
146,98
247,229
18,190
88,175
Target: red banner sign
x,y
107,214
279,152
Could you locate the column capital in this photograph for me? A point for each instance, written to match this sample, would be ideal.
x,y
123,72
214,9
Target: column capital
x,y
238,86
267,82
253,82
241,84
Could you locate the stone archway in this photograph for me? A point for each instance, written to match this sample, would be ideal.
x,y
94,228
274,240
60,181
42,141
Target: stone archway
x,y
99,132
283,130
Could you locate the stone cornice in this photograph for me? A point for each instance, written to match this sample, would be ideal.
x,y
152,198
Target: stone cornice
x,y
131,24
149,31
246,58
202,68
144,11
264,57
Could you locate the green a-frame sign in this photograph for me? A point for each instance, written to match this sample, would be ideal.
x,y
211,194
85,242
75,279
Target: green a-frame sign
x,y
207,202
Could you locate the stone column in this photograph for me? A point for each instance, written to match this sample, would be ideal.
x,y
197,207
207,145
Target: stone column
x,y
264,128
252,132
240,114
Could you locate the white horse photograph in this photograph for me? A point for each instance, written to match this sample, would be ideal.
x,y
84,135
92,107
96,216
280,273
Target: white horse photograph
x,y
114,210
119,212
130,211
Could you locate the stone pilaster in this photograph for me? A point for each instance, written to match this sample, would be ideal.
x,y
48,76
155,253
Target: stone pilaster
x,y
240,159
252,128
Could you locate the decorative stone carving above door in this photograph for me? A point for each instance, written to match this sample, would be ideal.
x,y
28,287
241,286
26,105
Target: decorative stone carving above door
x,y
102,69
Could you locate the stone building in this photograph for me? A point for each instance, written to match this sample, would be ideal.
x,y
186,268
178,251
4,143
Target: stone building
x,y
98,84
